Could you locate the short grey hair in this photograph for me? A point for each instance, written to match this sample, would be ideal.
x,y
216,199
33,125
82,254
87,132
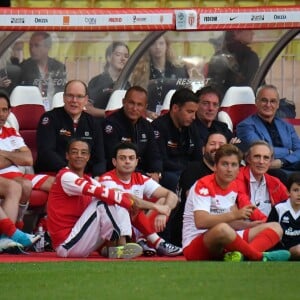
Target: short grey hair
x,y
266,86
259,143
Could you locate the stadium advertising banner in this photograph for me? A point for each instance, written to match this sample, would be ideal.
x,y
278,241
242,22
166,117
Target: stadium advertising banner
x,y
238,18
151,19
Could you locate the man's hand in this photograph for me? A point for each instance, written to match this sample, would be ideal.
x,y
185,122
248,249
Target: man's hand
x,y
155,176
4,82
243,213
160,223
235,140
162,209
276,164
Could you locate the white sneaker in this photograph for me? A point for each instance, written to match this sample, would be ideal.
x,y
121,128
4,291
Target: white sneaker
x,y
129,250
9,246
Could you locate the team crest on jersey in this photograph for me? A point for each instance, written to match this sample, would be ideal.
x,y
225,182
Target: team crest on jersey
x,y
108,129
45,121
172,144
285,219
65,132
86,133
203,191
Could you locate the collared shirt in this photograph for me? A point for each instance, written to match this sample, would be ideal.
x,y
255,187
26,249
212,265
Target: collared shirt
x,y
260,194
273,132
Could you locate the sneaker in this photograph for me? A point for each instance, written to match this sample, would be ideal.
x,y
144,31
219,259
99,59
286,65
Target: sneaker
x,y
278,255
9,246
147,251
25,239
167,249
130,250
234,256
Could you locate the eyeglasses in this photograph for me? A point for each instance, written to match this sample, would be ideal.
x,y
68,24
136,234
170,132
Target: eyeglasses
x,y
266,101
71,96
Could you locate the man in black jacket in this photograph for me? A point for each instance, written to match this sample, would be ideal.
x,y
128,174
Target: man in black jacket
x,y
58,126
206,115
177,136
129,125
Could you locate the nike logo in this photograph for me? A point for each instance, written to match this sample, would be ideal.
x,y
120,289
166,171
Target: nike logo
x,y
232,18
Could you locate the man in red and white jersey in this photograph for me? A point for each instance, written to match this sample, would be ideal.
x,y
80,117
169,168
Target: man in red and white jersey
x,y
82,213
213,223
124,178
15,153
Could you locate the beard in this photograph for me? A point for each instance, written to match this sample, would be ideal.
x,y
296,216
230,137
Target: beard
x,y
209,158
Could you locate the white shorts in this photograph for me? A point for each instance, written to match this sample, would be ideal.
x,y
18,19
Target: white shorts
x,y
98,224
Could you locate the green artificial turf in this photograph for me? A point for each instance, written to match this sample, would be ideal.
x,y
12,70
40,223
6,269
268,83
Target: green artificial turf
x,y
150,280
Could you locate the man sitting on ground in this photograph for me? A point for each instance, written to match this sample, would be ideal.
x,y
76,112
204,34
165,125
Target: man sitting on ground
x,y
82,213
212,219
124,178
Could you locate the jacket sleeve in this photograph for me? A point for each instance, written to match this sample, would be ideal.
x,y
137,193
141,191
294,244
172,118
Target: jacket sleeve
x,y
291,142
247,132
256,215
152,158
161,137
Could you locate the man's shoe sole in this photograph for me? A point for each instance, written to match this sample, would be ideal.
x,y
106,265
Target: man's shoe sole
x,y
127,251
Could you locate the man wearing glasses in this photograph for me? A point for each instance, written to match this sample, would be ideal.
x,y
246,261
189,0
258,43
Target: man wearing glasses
x,y
58,126
264,125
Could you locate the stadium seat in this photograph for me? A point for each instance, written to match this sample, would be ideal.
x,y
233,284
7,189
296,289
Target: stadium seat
x,y
27,106
115,101
238,103
58,100
12,121
166,104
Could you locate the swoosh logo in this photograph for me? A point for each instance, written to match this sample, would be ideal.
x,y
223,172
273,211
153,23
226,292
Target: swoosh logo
x,y
232,18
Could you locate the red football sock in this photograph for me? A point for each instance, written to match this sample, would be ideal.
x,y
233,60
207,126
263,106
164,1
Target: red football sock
x,y
242,246
7,227
142,223
265,240
19,224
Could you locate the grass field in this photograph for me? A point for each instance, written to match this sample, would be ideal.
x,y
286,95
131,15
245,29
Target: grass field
x,y
150,280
